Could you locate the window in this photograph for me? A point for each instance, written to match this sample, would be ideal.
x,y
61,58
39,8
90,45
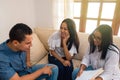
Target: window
x,y
88,14
119,31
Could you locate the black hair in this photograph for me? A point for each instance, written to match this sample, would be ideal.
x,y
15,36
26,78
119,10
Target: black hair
x,y
106,39
19,31
73,34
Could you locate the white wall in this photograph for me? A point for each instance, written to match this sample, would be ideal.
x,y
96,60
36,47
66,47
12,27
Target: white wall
x,y
44,13
31,12
15,11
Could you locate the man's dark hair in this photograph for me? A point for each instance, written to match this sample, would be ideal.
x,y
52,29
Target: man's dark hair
x,y
19,31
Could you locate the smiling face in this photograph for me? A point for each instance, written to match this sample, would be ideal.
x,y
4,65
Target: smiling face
x,y
64,30
97,38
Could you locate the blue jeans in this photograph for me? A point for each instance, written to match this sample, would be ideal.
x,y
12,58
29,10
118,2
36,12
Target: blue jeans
x,y
74,73
44,76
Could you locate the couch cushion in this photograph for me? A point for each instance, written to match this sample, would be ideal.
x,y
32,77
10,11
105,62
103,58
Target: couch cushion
x,y
83,39
44,60
116,41
37,51
43,34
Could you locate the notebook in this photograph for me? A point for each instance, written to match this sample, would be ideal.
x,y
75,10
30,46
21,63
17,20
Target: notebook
x,y
90,74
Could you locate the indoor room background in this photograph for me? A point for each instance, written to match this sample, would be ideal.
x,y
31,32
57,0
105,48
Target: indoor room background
x,y
87,14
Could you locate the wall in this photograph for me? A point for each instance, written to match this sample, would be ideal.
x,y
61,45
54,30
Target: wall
x,y
15,11
44,17
32,12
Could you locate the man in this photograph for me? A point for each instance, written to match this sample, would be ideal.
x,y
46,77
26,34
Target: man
x,y
13,57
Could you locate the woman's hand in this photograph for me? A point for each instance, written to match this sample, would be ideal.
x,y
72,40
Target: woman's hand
x,y
66,63
98,78
65,38
80,72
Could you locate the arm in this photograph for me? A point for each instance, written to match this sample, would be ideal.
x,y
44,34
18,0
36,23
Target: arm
x,y
34,75
64,62
67,54
65,48
57,56
28,59
84,63
82,68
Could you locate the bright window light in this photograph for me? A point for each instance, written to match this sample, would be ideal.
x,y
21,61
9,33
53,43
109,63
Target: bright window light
x,y
106,22
77,24
108,10
90,26
93,9
77,9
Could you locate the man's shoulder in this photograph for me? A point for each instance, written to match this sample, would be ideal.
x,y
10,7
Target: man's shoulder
x,y
2,47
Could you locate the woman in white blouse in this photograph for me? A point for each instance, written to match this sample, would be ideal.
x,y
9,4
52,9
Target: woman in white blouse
x,y
63,44
102,53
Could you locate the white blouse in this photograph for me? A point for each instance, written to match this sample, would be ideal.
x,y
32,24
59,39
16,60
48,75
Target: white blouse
x,y
54,43
110,64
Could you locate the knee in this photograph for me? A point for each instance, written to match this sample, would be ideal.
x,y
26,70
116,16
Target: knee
x,y
55,69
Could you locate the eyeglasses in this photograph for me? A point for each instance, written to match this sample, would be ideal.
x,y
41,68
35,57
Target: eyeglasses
x,y
96,38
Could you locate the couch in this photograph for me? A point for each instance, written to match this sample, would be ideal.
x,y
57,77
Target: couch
x,y
39,49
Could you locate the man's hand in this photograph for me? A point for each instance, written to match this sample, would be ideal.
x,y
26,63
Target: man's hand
x,y
47,70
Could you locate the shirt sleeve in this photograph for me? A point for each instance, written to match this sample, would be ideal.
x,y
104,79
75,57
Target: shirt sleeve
x,y
6,71
111,65
54,41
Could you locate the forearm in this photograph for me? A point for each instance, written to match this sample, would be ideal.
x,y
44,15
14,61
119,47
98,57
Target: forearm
x,y
31,76
82,66
67,54
28,57
57,56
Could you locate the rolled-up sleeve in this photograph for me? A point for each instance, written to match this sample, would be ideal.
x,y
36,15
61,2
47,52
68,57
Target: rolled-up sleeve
x,y
54,41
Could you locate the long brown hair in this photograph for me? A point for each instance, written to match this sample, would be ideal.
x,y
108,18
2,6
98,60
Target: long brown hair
x,y
73,34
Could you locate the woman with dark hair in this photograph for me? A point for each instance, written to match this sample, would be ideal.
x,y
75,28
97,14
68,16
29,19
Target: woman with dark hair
x,y
102,53
63,44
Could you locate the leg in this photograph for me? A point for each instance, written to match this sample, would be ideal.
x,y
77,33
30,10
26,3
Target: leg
x,y
74,73
52,77
61,72
68,72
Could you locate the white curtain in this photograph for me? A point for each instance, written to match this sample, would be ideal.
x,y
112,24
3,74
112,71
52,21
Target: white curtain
x,y
61,9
